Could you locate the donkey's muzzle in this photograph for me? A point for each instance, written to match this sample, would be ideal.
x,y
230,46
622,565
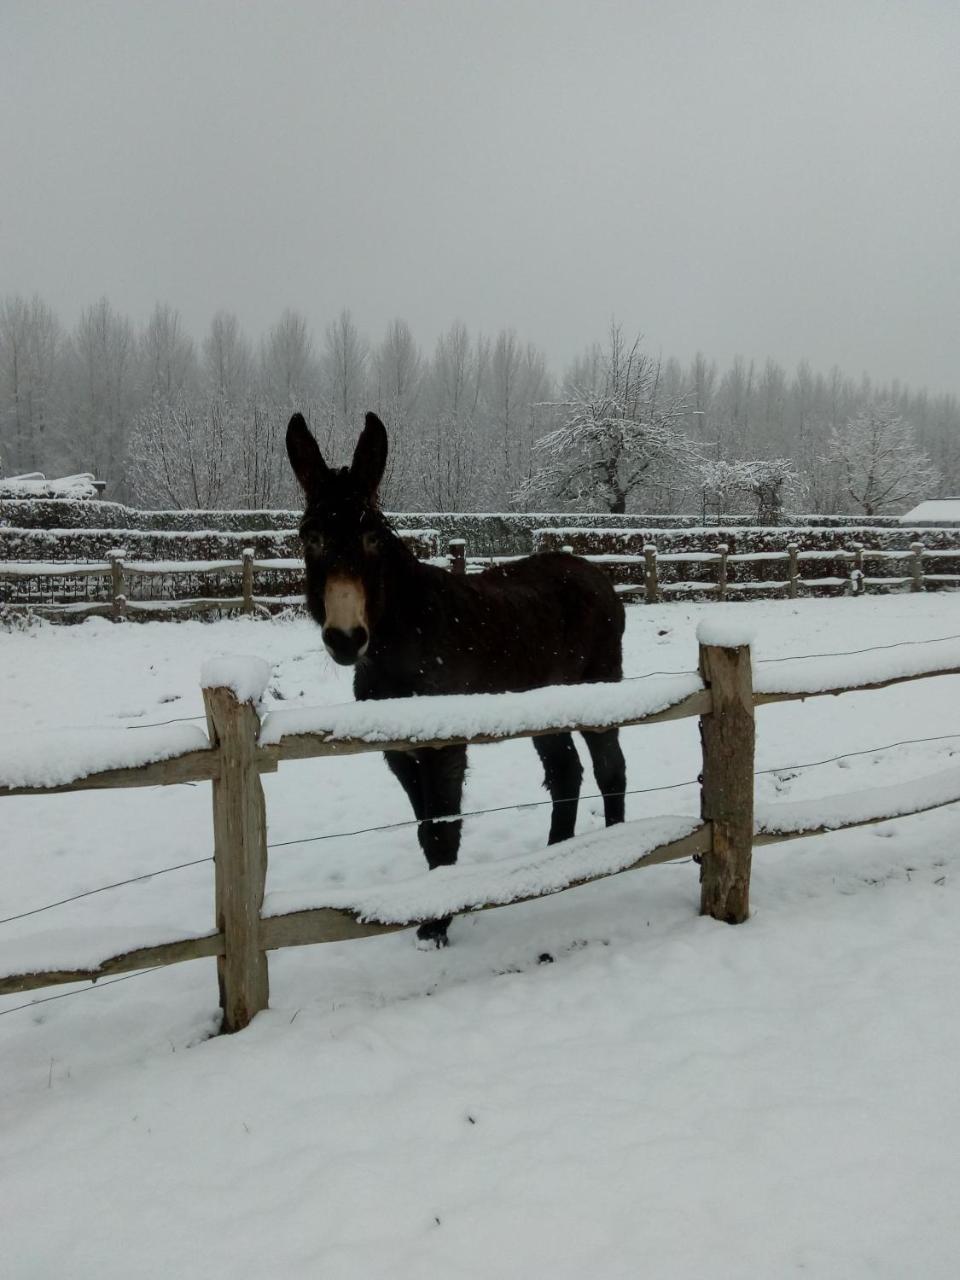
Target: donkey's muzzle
x,y
344,646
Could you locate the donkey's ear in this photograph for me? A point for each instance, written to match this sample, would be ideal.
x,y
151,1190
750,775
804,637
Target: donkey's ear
x,y
370,455
304,454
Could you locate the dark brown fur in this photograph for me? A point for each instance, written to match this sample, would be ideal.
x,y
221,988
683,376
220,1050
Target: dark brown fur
x,y
547,619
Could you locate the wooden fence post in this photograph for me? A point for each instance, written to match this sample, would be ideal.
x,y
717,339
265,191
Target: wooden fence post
x,y
651,587
726,796
458,556
240,857
916,566
856,574
793,573
247,555
118,598
724,551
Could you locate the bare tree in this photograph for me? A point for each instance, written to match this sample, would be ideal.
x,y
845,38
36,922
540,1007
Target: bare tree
x,y
396,376
879,464
289,372
227,359
449,474
168,356
102,393
30,346
345,357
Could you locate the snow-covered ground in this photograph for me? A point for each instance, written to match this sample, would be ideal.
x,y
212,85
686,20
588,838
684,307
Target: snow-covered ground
x,y
597,1084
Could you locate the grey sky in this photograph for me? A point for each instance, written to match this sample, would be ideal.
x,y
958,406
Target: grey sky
x,y
753,178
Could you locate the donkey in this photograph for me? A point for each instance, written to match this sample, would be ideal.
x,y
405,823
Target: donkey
x,y
411,628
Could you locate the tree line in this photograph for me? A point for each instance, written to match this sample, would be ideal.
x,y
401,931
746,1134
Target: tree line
x,y
477,423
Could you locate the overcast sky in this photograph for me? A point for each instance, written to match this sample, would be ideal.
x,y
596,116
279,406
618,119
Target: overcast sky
x,y
743,178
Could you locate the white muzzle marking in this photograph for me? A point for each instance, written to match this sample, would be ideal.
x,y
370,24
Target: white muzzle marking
x,y
345,605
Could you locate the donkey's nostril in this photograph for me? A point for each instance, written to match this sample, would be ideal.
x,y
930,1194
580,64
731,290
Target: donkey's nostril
x,y
345,646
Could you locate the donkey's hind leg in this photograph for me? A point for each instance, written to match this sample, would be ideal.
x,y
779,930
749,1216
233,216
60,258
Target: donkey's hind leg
x,y
442,771
562,774
610,771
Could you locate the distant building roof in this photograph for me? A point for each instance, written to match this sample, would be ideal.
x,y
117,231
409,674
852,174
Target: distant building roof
x,y
36,485
934,511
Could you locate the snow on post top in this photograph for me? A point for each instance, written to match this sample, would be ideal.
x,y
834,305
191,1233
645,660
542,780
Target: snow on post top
x,y
247,677
725,633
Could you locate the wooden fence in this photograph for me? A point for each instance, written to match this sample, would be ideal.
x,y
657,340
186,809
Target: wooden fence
x,y
114,597
261,586
723,696
258,586
644,577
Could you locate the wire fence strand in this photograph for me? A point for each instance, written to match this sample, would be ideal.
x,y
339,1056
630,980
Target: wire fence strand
x,y
516,807
849,653
479,813
848,755
536,804
88,893
81,991
521,805
157,724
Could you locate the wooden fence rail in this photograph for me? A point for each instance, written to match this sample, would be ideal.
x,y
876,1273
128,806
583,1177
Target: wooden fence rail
x,y
643,573
723,699
856,582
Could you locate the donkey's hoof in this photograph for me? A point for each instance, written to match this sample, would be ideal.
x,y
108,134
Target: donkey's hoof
x,y
432,944
432,935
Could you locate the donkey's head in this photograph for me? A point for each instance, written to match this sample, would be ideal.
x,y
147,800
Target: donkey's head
x,y
344,536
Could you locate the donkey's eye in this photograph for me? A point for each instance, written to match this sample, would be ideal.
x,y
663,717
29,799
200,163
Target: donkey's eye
x,y
370,542
312,541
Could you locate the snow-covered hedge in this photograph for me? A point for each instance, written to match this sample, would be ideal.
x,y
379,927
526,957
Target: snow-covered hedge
x,y
485,533
740,540
78,545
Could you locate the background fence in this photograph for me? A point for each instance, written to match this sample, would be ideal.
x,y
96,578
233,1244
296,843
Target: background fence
x,y
723,693
119,587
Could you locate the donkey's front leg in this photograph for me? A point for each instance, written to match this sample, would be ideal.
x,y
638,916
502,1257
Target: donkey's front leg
x,y
441,782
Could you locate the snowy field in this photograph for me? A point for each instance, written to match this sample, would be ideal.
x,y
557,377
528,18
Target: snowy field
x,y
600,1084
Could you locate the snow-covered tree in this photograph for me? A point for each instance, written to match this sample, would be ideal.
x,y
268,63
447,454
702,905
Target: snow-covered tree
x,y
879,464
722,485
615,439
726,487
769,481
183,456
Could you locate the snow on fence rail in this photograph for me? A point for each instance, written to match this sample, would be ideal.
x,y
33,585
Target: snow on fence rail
x,y
715,573
117,598
794,583
238,748
720,574
281,579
